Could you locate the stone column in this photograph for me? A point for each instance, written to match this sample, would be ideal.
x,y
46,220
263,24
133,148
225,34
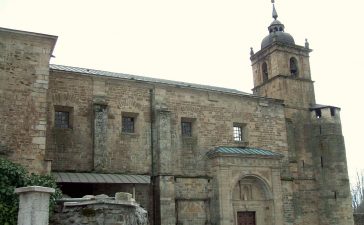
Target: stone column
x,y
33,205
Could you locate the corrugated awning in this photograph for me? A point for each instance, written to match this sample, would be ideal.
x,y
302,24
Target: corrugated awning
x,y
101,178
247,151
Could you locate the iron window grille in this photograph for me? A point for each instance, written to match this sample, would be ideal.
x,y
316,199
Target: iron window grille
x,y
128,124
186,129
238,133
62,119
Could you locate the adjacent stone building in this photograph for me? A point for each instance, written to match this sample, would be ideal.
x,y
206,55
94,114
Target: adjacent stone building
x,y
189,153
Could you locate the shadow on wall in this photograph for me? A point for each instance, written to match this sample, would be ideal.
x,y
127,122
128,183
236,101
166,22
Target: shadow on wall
x,y
359,218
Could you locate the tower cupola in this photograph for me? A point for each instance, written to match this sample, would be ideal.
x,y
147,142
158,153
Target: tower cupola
x,y
276,32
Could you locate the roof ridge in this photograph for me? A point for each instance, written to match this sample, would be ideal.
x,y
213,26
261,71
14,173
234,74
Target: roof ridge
x,y
144,78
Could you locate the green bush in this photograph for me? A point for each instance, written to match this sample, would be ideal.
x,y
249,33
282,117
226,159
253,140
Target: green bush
x,y
13,176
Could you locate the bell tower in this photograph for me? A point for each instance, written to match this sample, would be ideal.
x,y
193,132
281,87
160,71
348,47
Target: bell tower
x,y
314,178
281,69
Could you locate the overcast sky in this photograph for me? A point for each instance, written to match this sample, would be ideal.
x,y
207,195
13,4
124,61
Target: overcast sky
x,y
207,42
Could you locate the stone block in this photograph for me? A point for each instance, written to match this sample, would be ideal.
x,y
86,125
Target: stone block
x,y
123,196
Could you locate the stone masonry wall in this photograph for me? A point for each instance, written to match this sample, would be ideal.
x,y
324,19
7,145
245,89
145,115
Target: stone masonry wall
x,y
329,157
72,148
359,219
213,116
24,70
193,200
103,213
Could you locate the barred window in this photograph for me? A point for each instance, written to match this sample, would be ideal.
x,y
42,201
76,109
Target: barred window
x,y
62,119
238,133
186,129
128,124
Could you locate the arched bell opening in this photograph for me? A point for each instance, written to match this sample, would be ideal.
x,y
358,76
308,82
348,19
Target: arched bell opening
x,y
293,66
265,71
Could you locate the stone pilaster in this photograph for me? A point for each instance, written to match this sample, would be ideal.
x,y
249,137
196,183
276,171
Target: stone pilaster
x,y
100,137
167,200
277,196
226,210
164,157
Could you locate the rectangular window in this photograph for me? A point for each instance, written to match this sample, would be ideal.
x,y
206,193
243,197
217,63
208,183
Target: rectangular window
x,y
128,124
186,129
62,119
238,132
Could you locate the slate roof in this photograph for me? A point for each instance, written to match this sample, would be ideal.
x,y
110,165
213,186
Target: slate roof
x,y
246,151
64,177
143,79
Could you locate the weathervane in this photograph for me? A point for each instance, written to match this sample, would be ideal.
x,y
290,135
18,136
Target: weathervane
x,y
274,14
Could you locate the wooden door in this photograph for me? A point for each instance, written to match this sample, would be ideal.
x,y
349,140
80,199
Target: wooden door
x,y
246,218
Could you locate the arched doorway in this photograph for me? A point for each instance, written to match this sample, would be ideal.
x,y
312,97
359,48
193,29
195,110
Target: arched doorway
x,y
252,201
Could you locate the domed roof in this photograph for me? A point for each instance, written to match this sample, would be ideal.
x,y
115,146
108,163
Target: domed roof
x,y
276,22
276,32
277,36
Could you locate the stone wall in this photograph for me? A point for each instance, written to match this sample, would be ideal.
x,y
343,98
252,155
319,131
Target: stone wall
x,y
193,200
96,142
100,210
213,116
358,219
329,156
93,142
24,71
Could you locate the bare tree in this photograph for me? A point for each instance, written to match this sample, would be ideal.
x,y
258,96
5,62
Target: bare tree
x,y
357,192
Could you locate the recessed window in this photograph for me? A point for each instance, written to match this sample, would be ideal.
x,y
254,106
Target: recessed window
x,y
128,124
62,119
293,66
186,129
318,113
238,132
265,71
